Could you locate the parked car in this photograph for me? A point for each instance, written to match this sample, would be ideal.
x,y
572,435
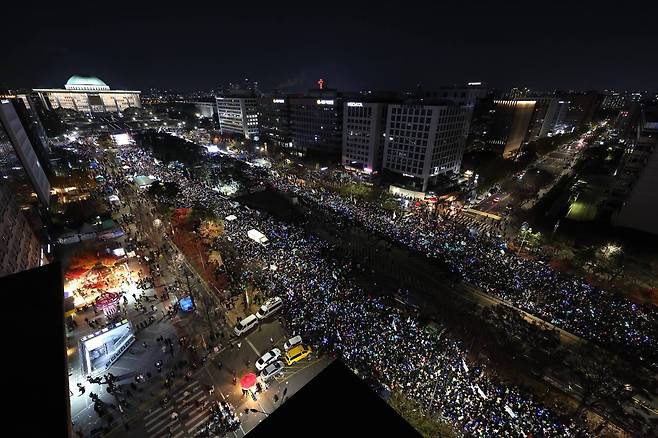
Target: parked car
x,y
268,358
297,353
272,370
294,341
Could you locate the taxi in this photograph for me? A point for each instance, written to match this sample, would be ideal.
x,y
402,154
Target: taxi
x,y
296,354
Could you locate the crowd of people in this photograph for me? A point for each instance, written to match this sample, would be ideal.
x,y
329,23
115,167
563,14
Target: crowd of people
x,y
222,421
337,316
568,302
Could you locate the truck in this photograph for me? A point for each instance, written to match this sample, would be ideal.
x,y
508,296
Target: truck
x,y
257,236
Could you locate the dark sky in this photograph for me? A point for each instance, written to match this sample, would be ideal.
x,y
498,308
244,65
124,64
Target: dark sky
x,y
381,45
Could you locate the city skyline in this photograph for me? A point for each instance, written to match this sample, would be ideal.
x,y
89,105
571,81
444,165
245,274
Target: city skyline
x,y
574,47
230,219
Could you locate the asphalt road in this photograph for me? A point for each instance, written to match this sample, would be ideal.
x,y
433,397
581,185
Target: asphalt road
x,y
156,421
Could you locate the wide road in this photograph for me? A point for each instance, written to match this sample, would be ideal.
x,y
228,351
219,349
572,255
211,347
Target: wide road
x,y
154,421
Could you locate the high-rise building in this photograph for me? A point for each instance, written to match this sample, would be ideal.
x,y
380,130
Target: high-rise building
x,y
20,249
634,191
582,108
20,165
425,140
274,121
316,122
364,127
545,117
88,94
238,114
510,125
613,100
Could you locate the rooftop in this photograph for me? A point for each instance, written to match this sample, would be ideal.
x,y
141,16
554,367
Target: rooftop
x,y
77,82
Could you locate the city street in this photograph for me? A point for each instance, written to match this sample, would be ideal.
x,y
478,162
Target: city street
x,y
152,420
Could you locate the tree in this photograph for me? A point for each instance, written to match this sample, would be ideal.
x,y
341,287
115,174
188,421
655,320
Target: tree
x,y
528,239
390,203
599,380
215,258
210,230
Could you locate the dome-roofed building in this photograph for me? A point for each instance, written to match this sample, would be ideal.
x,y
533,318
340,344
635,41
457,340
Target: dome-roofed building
x,y
87,83
88,94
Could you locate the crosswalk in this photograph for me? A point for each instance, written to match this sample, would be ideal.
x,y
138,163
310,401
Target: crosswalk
x,y
475,223
191,416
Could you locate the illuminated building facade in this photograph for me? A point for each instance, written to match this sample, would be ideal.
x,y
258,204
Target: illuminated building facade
x,y
89,95
364,126
545,117
238,115
511,124
425,140
274,121
316,122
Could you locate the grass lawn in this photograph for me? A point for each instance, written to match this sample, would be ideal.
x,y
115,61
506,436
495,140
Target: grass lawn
x,y
582,211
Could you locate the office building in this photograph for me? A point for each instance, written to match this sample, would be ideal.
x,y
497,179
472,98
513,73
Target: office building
x,y
20,249
545,117
425,140
316,122
20,166
613,100
90,95
634,191
510,125
364,127
274,121
238,114
582,108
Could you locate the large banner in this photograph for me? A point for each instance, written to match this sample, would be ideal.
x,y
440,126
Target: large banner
x,y
99,350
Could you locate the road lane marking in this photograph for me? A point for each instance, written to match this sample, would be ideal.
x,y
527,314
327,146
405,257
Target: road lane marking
x,y
182,390
203,413
163,424
160,414
252,347
297,370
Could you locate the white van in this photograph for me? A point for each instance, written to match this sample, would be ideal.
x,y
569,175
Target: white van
x,y
245,325
270,307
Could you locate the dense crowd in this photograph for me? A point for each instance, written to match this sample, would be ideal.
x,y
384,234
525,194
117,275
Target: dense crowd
x,y
335,315
566,301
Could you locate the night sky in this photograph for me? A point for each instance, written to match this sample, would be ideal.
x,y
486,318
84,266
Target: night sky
x,y
392,45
